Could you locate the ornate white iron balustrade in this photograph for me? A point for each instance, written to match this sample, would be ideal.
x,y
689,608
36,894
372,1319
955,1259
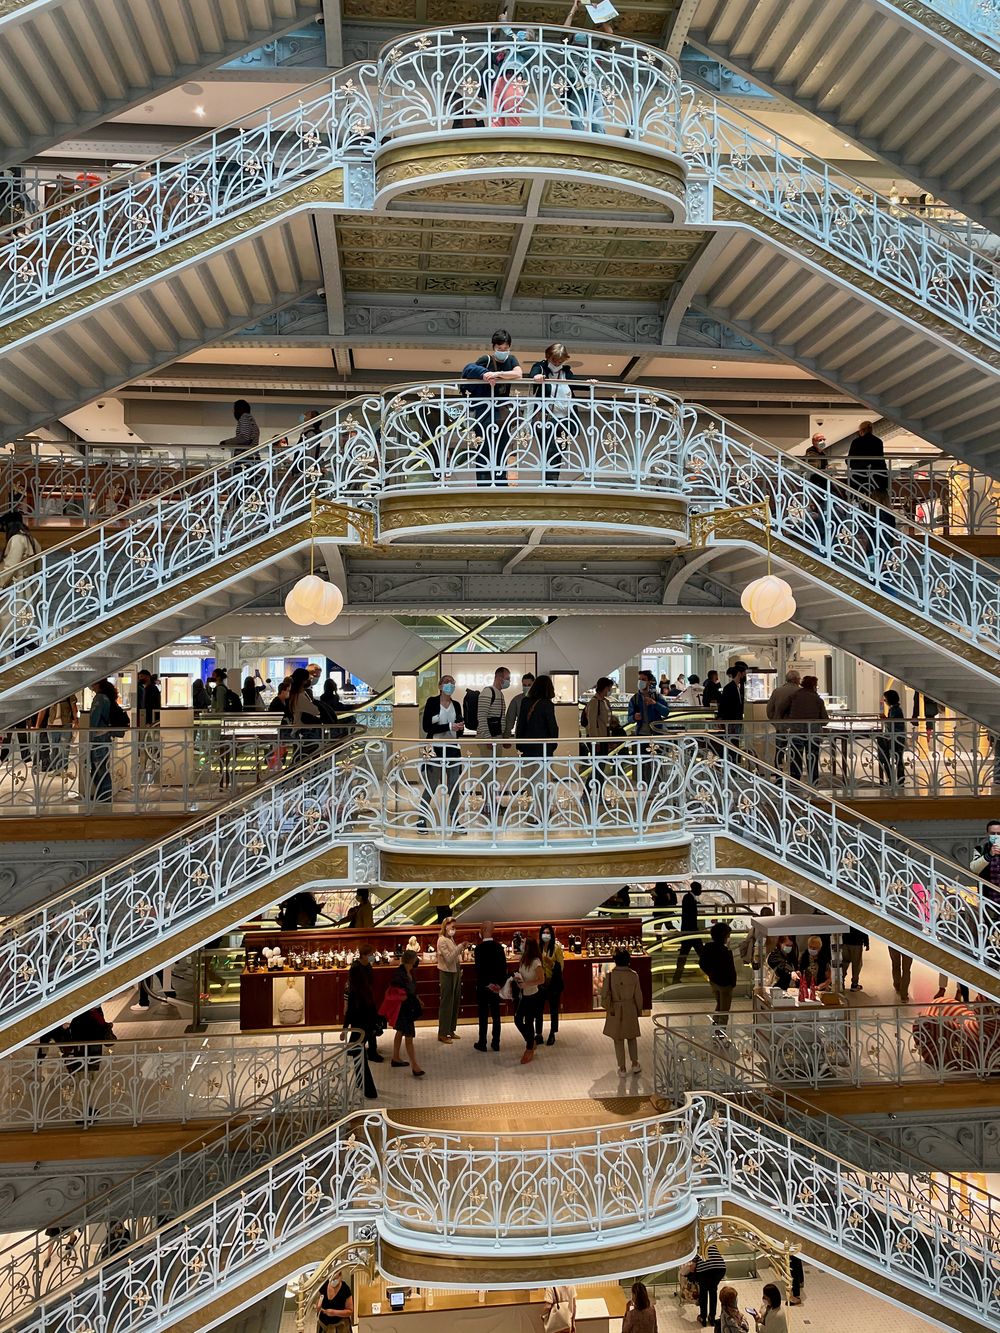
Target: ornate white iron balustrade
x,y
169,1079
504,799
37,1266
858,1047
615,438
860,860
682,1066
981,17
508,79
117,915
219,175
162,541
526,79
603,438
781,179
184,768
463,1194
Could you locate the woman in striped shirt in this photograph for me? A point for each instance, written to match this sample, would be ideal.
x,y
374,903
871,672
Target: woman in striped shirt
x,y
709,1271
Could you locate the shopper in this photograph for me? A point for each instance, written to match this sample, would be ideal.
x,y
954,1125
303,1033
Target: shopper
x,y
709,1271
361,1014
491,407
528,979
646,707
777,711
558,426
16,569
771,1316
247,431
360,915
782,960
806,714
449,965
621,999
493,706
854,945
732,702
816,964
60,722
690,926
798,1279
410,1010
717,962
986,862
537,728
491,976
900,965
866,466
442,724
559,1310
307,724
892,743
105,726
692,694
731,1317
514,707
597,717
640,1316
200,699
712,692
335,1304
552,968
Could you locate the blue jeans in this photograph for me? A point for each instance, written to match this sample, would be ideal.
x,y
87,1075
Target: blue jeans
x,y
100,770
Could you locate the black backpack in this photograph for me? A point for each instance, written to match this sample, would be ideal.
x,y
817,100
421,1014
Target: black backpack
x,y
118,719
470,710
233,704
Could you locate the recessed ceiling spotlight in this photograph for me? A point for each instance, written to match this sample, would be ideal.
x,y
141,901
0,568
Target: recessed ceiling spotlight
x,y
390,358
192,89
199,111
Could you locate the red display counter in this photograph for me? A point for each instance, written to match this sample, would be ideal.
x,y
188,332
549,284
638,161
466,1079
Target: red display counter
x,y
309,990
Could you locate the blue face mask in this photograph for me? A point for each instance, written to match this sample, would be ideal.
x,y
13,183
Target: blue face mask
x,y
448,689
500,356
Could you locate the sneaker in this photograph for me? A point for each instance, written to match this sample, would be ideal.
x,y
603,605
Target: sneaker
x,y
637,1069
139,1008
621,1073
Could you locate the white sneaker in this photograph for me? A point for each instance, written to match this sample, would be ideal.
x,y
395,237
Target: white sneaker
x,y
139,1008
621,1073
637,1069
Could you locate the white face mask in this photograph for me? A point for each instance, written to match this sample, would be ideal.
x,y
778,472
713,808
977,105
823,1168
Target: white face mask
x,y
813,953
554,366
546,937
786,948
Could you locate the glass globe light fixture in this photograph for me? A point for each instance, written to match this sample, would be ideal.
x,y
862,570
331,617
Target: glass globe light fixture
x,y
769,601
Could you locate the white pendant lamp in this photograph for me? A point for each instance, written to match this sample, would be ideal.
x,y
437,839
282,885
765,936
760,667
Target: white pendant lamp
x,y
312,600
769,601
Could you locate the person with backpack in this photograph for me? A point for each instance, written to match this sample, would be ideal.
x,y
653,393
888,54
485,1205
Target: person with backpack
x,y
487,382
492,706
224,700
108,722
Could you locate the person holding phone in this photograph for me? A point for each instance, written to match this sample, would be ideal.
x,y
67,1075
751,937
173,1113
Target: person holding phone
x,y
443,724
770,1316
640,1316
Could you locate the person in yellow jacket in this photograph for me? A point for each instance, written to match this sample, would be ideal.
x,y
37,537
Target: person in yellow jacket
x,y
552,966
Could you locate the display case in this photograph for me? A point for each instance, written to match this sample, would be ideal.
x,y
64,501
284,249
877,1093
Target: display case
x,y
317,962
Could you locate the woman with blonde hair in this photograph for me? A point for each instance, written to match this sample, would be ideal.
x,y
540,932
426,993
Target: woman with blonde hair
x,y
731,1317
558,426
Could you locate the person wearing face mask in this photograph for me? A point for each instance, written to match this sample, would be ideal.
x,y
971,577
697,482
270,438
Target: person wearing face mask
x,y
361,1014
449,960
442,725
514,707
335,1304
558,425
986,862
552,968
815,964
493,707
497,370
781,961
646,706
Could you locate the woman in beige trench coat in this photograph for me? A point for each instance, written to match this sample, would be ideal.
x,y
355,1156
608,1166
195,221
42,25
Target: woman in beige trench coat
x,y
621,997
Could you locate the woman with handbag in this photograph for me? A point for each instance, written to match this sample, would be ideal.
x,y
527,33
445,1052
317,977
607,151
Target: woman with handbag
x,y
335,1304
528,979
409,1011
559,1314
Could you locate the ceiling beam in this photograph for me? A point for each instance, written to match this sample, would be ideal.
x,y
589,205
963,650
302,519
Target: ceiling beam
x,y
333,33
329,258
522,243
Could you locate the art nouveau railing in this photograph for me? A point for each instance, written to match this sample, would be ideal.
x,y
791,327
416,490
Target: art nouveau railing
x,y
40,1266
171,1080
213,177
857,1047
503,799
119,914
683,1066
981,17
726,466
430,436
859,860
782,180
605,438
167,539
143,769
527,79
462,1195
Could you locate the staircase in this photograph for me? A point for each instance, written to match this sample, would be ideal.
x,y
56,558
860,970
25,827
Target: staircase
x,y
73,64
173,563
934,120
903,599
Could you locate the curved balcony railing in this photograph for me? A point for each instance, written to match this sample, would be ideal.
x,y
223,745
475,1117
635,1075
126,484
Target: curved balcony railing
x,y
430,436
173,1080
604,437
981,17
856,1047
816,201
115,916
505,799
41,1264
165,540
531,78
213,177
859,860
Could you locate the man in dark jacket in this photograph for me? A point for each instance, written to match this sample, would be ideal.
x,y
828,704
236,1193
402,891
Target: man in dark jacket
x,y
491,974
866,465
717,962
689,927
733,701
